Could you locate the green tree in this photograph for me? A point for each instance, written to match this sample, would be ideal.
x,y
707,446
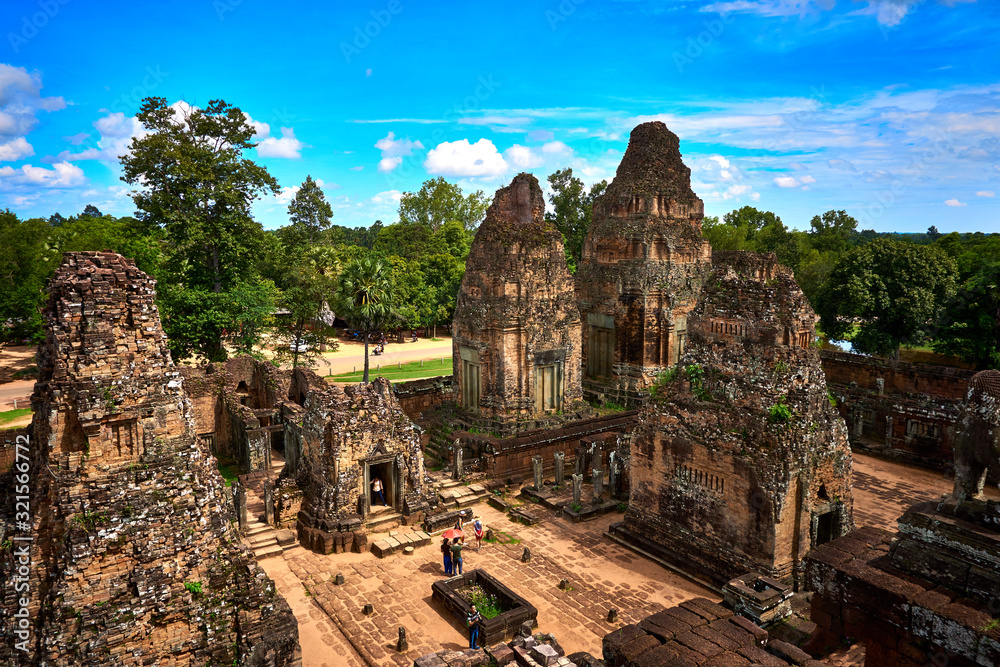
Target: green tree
x,y
306,326
751,219
894,289
364,297
27,260
572,210
832,230
197,187
970,326
438,202
310,216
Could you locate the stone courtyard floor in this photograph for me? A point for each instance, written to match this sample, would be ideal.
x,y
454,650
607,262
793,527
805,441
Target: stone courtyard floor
x,y
602,575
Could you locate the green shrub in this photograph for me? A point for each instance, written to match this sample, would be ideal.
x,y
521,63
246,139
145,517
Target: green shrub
x,y
194,587
779,413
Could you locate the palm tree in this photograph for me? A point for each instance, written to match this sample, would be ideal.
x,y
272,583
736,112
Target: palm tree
x,y
364,297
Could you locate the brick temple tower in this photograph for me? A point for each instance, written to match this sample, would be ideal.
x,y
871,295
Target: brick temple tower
x,y
517,327
643,264
133,557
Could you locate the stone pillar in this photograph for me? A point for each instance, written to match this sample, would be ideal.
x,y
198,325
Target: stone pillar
x,y
598,484
269,503
458,471
614,476
240,498
536,469
560,459
577,488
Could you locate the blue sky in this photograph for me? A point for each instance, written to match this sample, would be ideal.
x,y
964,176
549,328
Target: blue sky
x,y
886,108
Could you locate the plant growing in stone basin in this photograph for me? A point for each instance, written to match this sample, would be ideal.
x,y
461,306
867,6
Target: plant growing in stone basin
x,y
489,606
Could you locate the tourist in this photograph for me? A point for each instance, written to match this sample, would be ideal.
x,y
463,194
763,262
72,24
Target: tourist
x,y
475,618
446,552
377,488
456,556
477,528
460,520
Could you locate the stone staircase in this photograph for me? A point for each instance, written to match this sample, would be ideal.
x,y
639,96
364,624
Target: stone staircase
x,y
264,540
438,450
455,494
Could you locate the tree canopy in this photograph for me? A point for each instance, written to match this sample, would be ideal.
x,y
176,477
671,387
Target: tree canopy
x,y
572,210
194,184
892,291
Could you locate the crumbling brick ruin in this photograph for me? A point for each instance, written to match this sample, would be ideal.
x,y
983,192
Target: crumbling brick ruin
x,y
133,556
927,595
345,439
740,462
898,410
516,349
643,264
241,407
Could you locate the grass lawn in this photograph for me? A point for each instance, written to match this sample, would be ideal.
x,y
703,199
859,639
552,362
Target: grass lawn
x,y
413,370
11,415
230,471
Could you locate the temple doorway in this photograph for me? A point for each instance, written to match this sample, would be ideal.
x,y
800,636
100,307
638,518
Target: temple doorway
x,y
385,472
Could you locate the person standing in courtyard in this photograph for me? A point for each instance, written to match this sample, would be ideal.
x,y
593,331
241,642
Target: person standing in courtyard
x,y
377,488
456,556
474,620
460,520
446,552
477,528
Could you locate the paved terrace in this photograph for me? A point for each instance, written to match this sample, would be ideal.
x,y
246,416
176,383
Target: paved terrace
x,y
602,575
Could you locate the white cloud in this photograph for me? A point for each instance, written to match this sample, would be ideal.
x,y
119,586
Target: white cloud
x,y
955,203
394,150
807,179
358,168
286,147
387,197
462,159
116,131
887,12
20,102
717,178
15,149
557,148
77,139
62,175
522,157
287,194
986,193
786,182
387,164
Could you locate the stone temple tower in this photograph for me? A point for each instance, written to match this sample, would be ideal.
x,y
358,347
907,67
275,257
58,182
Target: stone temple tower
x,y
132,555
517,327
644,261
